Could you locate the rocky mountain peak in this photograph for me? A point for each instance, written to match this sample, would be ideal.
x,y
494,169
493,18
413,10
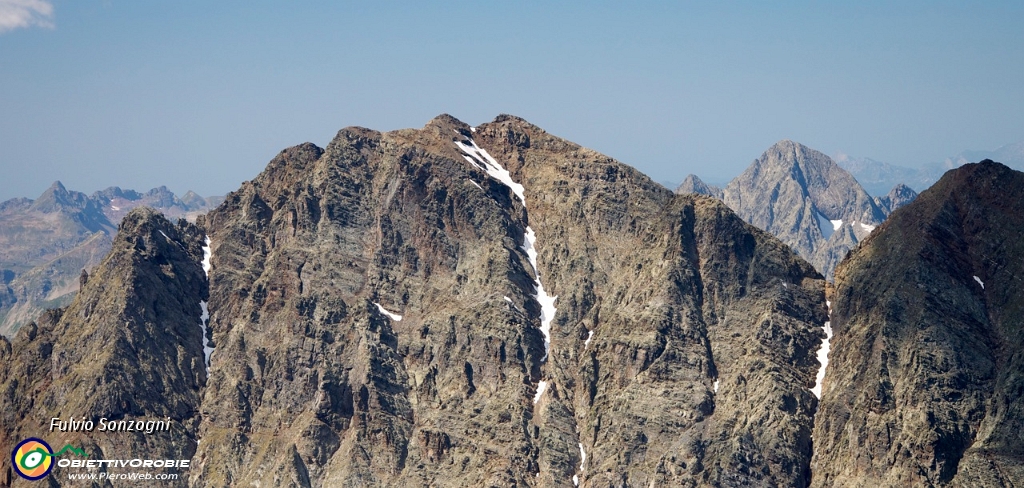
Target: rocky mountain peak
x,y
128,346
923,386
899,196
806,199
468,307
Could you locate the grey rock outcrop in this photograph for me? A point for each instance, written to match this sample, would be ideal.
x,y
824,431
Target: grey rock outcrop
x,y
924,384
693,184
801,196
899,196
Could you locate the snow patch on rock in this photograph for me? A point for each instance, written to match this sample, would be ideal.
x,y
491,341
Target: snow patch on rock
x,y
394,316
541,388
823,354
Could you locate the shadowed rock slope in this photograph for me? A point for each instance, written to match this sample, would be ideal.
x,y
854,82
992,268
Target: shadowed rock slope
x,y
127,347
376,323
924,384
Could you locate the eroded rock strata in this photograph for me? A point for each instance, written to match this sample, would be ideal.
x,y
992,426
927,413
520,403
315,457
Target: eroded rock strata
x,y
375,322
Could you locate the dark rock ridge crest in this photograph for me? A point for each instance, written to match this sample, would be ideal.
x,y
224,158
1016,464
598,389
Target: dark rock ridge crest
x,y
375,320
924,384
127,347
46,243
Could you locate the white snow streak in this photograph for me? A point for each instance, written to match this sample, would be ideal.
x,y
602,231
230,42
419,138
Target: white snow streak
x,y
715,386
480,157
207,347
204,319
115,208
867,227
547,302
590,336
507,299
979,282
207,254
583,459
394,316
476,184
823,354
541,387
836,224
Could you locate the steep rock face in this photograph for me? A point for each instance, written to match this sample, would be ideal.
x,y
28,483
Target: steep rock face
x,y
375,318
127,347
801,196
693,184
924,384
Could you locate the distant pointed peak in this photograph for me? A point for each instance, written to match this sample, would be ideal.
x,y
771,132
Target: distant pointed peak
x,y
693,184
58,186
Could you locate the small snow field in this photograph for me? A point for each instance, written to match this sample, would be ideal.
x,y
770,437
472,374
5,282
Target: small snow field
x,y
391,315
541,388
823,354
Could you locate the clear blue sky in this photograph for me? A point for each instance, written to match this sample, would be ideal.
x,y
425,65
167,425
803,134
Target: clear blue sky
x,y
200,95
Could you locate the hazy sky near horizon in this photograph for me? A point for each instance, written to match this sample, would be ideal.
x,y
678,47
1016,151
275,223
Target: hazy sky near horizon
x,y
201,95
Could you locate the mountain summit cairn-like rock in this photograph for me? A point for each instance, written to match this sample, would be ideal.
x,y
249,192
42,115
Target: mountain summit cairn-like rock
x,y
924,381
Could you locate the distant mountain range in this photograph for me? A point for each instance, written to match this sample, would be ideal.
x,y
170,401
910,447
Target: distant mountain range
x,y
878,177
45,243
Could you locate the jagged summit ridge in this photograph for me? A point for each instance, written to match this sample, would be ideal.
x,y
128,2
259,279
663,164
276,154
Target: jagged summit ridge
x,y
307,255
